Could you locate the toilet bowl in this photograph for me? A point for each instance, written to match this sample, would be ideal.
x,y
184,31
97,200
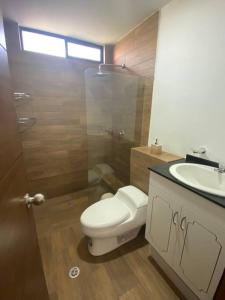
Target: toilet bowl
x,y
111,222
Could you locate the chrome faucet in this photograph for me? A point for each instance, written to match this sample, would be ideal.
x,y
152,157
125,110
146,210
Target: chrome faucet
x,y
221,169
200,151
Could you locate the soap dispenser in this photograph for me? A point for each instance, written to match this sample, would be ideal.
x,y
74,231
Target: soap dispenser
x,y
156,148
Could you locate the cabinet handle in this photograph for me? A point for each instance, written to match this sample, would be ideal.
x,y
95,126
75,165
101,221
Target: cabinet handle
x,y
174,218
182,226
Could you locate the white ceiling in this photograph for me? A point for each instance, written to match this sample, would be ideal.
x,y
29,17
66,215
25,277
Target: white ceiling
x,y
100,21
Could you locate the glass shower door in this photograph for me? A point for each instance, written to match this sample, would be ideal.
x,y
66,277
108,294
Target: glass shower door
x,y
111,105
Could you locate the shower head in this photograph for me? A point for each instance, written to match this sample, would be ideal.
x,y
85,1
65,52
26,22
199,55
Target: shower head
x,y
101,74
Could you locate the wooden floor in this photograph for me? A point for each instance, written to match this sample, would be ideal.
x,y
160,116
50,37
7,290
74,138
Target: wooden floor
x,y
125,274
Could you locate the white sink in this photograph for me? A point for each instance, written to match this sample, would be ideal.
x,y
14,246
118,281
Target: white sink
x,y
203,178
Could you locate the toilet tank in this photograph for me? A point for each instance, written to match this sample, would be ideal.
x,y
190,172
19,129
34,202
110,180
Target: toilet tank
x,y
132,196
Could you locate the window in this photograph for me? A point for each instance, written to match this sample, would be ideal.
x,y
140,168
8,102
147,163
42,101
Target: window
x,y
84,52
61,46
42,43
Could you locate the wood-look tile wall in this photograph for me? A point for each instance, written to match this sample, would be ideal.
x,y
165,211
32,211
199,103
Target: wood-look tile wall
x,y
141,160
55,148
138,51
121,150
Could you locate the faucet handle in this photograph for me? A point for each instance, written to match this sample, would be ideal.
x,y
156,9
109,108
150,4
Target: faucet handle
x,y
221,166
200,151
220,169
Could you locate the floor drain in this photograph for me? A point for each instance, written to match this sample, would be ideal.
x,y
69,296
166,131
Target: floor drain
x,y
74,272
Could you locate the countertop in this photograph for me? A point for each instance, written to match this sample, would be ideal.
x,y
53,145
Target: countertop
x,y
163,170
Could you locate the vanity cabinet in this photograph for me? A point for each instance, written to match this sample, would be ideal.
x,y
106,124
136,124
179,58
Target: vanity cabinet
x,y
162,217
188,232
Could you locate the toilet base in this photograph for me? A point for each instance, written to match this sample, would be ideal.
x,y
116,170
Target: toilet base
x,y
100,246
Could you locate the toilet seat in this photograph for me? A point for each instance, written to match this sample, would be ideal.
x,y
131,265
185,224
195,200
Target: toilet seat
x,y
105,213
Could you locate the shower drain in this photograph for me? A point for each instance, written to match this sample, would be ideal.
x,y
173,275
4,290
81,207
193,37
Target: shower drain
x,y
74,272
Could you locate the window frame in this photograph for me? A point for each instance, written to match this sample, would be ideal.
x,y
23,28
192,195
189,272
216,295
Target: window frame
x,y
66,40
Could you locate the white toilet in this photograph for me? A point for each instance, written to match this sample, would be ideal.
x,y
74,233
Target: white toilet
x,y
111,222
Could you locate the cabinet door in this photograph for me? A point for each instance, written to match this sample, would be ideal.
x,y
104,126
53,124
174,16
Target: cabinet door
x,y
199,254
159,225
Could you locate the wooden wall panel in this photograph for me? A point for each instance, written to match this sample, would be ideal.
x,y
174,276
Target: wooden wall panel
x,y
141,160
109,53
55,148
121,152
138,51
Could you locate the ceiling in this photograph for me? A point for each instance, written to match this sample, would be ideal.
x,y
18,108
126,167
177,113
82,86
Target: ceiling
x,y
100,21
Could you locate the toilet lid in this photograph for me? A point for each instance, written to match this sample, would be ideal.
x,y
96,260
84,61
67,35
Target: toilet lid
x,y
105,213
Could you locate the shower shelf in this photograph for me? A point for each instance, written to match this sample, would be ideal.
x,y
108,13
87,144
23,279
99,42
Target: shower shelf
x,y
21,98
26,123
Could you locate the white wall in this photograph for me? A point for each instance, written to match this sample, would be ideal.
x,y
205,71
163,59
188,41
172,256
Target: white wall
x,y
189,90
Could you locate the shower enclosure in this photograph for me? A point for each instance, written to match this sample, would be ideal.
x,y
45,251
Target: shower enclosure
x,y
113,101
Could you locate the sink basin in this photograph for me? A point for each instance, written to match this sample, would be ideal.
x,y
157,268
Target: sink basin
x,y
203,178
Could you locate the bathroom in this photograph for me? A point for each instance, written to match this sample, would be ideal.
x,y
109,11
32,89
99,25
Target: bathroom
x,y
112,151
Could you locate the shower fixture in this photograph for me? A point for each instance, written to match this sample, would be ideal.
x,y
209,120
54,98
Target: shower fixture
x,y
21,96
100,73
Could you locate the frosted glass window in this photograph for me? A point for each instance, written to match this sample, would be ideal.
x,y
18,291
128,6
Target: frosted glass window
x,y
58,45
42,43
84,52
